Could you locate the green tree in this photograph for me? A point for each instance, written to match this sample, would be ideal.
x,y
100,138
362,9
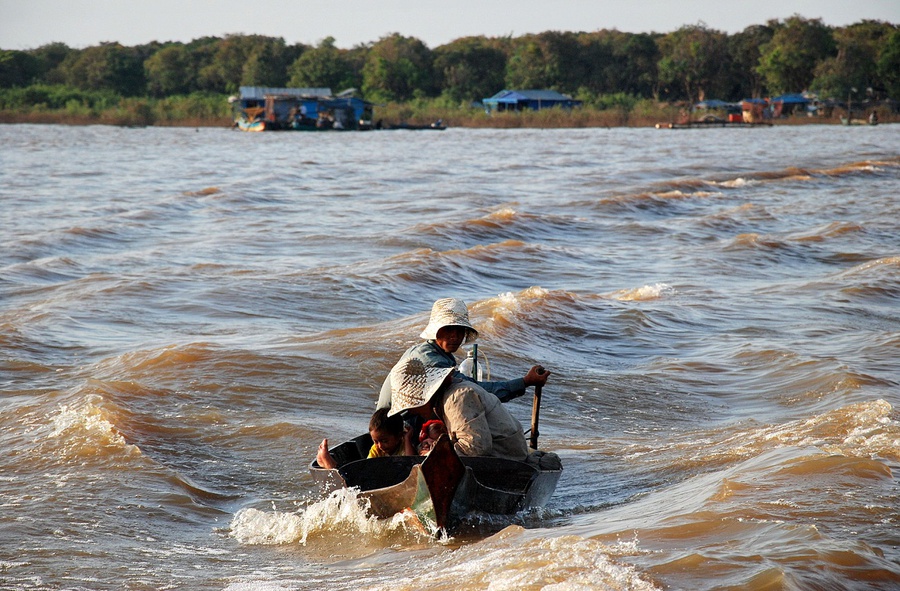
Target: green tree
x,y
548,60
50,57
617,62
788,62
108,66
171,70
238,60
692,60
398,68
17,68
267,64
203,53
855,65
888,64
527,67
744,51
601,74
470,68
635,58
325,66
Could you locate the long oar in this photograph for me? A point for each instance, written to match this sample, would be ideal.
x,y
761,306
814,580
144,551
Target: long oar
x,y
536,413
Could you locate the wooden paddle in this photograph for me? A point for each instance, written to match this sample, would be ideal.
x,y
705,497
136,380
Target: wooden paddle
x,y
536,412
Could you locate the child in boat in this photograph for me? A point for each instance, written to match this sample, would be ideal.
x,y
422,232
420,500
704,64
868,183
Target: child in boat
x,y
429,434
387,435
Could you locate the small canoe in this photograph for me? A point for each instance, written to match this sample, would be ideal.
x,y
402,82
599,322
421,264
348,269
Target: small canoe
x,y
442,488
436,126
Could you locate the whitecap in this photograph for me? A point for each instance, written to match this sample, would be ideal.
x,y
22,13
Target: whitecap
x,y
644,293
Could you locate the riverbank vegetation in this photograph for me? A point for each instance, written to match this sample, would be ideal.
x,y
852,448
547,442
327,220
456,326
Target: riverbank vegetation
x,y
621,78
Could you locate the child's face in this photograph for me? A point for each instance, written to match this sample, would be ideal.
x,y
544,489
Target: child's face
x,y
387,443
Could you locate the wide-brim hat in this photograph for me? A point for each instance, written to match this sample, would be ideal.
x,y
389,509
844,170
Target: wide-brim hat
x,y
449,312
413,384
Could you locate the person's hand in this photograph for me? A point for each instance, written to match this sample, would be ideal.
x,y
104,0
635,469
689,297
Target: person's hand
x,y
410,442
536,376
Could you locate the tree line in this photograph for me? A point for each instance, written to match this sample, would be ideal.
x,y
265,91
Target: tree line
x,y
693,63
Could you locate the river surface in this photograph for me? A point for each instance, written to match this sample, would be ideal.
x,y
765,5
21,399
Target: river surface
x,y
185,314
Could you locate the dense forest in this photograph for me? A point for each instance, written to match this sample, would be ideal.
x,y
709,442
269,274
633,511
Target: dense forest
x,y
604,69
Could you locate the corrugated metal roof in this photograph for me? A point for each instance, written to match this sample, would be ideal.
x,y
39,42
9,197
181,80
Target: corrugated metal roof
x,y
514,96
535,95
260,92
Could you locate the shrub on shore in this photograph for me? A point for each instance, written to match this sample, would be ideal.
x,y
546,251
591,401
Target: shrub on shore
x,y
66,105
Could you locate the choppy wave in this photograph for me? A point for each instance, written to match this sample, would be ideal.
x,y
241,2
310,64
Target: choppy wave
x,y
719,324
750,521
859,430
332,522
513,559
86,429
644,293
706,188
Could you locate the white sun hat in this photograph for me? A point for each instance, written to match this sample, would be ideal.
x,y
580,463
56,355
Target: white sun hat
x,y
413,384
449,312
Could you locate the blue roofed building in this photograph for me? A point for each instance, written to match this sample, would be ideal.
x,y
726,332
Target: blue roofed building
x,y
787,104
519,100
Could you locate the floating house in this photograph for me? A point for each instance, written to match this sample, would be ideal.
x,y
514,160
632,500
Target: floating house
x,y
519,100
754,110
788,104
303,109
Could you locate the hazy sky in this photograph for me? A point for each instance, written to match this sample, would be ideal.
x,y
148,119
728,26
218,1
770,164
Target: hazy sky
x,y
27,24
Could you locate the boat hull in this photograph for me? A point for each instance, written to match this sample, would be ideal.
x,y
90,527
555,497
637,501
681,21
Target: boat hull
x,y
441,488
256,125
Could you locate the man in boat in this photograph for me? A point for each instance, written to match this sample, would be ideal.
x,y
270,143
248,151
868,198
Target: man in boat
x,y
447,330
479,425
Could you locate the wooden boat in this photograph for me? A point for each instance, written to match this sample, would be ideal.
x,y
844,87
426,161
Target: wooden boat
x,y
437,126
442,488
255,125
709,124
848,121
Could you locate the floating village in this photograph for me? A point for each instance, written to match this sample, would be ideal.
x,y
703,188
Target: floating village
x,y
318,109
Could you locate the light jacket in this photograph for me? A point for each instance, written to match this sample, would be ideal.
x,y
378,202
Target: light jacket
x,y
479,423
431,355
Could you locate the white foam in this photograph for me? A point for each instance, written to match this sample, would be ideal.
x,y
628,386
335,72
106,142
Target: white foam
x,y
86,428
514,560
645,293
738,183
340,514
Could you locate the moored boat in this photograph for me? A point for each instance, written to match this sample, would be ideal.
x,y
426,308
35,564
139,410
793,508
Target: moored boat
x,y
437,126
442,488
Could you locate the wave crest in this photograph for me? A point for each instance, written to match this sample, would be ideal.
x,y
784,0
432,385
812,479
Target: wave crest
x,y
327,523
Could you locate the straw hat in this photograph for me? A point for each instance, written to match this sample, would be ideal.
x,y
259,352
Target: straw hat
x,y
449,312
413,384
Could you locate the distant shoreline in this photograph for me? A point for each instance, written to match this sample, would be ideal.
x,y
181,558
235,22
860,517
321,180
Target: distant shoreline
x,y
559,120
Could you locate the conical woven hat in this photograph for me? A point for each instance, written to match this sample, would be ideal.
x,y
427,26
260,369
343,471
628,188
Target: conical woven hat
x,y
413,384
449,312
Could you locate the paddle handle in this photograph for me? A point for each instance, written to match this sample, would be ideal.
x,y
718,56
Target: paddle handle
x,y
536,413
